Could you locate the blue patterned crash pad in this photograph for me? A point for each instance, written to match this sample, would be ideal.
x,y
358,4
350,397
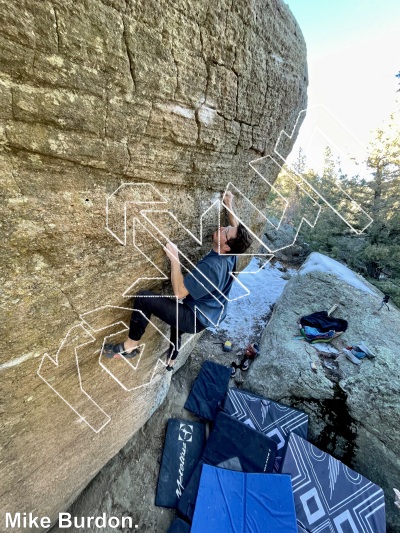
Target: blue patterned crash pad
x,y
208,390
235,502
329,496
273,419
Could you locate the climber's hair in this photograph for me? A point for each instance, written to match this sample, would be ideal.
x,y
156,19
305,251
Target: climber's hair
x,y
240,243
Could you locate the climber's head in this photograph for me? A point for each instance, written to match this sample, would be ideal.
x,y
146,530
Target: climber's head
x,y
231,240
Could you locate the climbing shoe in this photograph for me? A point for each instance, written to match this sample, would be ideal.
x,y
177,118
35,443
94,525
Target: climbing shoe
x,y
245,365
351,357
233,369
117,351
363,348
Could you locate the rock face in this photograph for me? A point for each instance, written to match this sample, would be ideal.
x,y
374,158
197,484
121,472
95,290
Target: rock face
x,y
354,410
280,242
125,105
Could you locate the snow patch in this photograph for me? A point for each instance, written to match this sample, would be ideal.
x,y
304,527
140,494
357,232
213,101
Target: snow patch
x,y
247,313
317,262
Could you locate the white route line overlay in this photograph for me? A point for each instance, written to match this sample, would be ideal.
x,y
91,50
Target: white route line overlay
x,y
194,267
123,241
277,152
55,362
137,358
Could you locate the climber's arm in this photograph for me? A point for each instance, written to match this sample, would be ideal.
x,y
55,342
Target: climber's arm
x,y
178,286
228,202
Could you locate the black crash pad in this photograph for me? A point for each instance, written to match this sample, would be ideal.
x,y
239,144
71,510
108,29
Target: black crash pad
x,y
183,447
208,391
179,526
234,446
273,419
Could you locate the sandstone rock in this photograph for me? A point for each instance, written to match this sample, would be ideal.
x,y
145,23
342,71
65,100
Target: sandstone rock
x,y
354,410
96,96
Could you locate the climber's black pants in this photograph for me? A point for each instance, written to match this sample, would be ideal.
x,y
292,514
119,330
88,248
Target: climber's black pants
x,y
180,317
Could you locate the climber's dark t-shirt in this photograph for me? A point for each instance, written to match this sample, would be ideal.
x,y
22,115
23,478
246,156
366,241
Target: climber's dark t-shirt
x,y
209,284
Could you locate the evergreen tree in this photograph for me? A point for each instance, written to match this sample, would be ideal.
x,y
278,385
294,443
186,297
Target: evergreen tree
x,y
381,253
376,252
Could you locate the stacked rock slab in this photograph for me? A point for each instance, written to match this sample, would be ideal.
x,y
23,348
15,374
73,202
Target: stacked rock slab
x,y
162,102
354,409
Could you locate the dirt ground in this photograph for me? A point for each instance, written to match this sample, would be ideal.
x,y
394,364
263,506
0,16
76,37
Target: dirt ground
x,y
126,486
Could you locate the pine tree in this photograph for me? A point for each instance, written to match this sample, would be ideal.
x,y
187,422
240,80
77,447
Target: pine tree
x,y
383,161
375,252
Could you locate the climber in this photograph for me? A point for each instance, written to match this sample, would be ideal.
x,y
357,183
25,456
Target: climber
x,y
202,293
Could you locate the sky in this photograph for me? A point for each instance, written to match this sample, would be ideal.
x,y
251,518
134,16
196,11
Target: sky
x,y
353,53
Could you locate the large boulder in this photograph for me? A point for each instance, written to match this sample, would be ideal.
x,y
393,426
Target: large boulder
x,y
108,106
354,409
